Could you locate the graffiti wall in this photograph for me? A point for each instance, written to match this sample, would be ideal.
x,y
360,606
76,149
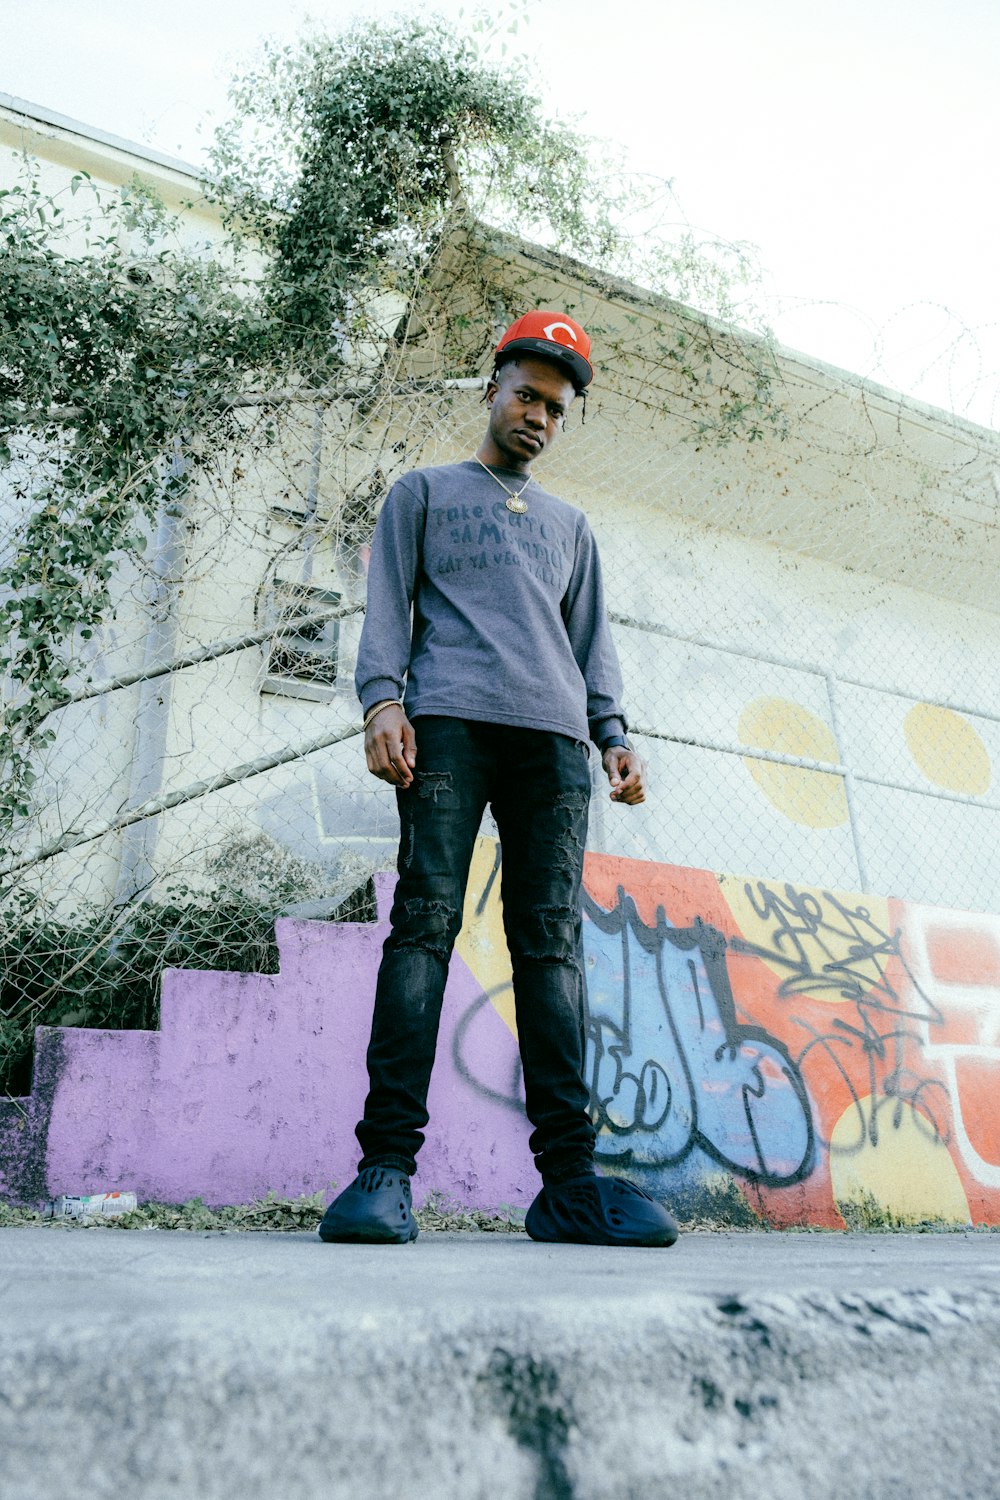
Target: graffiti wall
x,y
754,1049
822,1056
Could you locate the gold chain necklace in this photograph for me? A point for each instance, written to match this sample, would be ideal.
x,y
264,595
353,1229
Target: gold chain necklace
x,y
513,501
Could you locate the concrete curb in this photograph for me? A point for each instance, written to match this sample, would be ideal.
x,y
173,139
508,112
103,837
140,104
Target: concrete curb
x,y
223,1366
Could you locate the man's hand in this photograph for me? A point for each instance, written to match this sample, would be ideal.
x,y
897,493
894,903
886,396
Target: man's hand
x,y
391,746
627,775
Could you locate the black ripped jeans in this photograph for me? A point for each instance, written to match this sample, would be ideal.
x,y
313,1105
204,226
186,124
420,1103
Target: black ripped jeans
x,y
538,787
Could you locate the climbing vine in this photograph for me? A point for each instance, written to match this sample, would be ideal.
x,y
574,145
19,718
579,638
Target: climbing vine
x,y
113,359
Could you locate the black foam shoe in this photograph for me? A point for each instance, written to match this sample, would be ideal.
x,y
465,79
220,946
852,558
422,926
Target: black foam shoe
x,y
599,1211
375,1210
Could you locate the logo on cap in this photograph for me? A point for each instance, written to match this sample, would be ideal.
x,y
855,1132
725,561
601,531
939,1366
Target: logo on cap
x,y
538,331
550,332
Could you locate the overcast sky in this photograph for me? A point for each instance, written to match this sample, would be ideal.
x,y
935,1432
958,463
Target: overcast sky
x,y
854,143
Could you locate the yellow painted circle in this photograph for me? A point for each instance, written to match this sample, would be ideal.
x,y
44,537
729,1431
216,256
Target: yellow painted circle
x,y
948,750
908,1175
814,798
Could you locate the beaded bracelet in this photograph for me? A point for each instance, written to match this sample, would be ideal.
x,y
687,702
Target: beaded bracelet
x,y
372,712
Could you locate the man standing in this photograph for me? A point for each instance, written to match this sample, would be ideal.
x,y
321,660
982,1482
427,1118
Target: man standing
x,y
485,599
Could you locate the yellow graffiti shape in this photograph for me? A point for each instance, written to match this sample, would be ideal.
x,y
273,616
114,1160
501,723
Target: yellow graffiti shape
x,y
481,944
948,750
814,798
908,1174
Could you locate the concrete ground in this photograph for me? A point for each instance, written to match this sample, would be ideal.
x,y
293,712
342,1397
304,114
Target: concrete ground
x,y
150,1364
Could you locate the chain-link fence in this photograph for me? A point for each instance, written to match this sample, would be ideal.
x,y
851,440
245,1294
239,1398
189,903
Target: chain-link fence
x,y
806,624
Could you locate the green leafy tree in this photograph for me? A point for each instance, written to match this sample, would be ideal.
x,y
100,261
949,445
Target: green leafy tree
x,y
349,153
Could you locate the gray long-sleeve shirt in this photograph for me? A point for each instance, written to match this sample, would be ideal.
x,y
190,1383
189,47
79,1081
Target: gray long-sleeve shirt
x,y
508,616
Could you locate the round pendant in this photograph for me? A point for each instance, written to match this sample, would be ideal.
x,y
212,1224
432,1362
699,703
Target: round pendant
x,y
517,505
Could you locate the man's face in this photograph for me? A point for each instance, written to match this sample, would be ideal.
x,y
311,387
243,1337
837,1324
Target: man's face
x,y
528,403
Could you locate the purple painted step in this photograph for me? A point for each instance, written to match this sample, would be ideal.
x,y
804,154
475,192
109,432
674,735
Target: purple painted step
x,y
254,1083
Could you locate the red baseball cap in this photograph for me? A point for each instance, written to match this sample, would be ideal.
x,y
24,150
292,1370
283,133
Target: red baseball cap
x,y
550,335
